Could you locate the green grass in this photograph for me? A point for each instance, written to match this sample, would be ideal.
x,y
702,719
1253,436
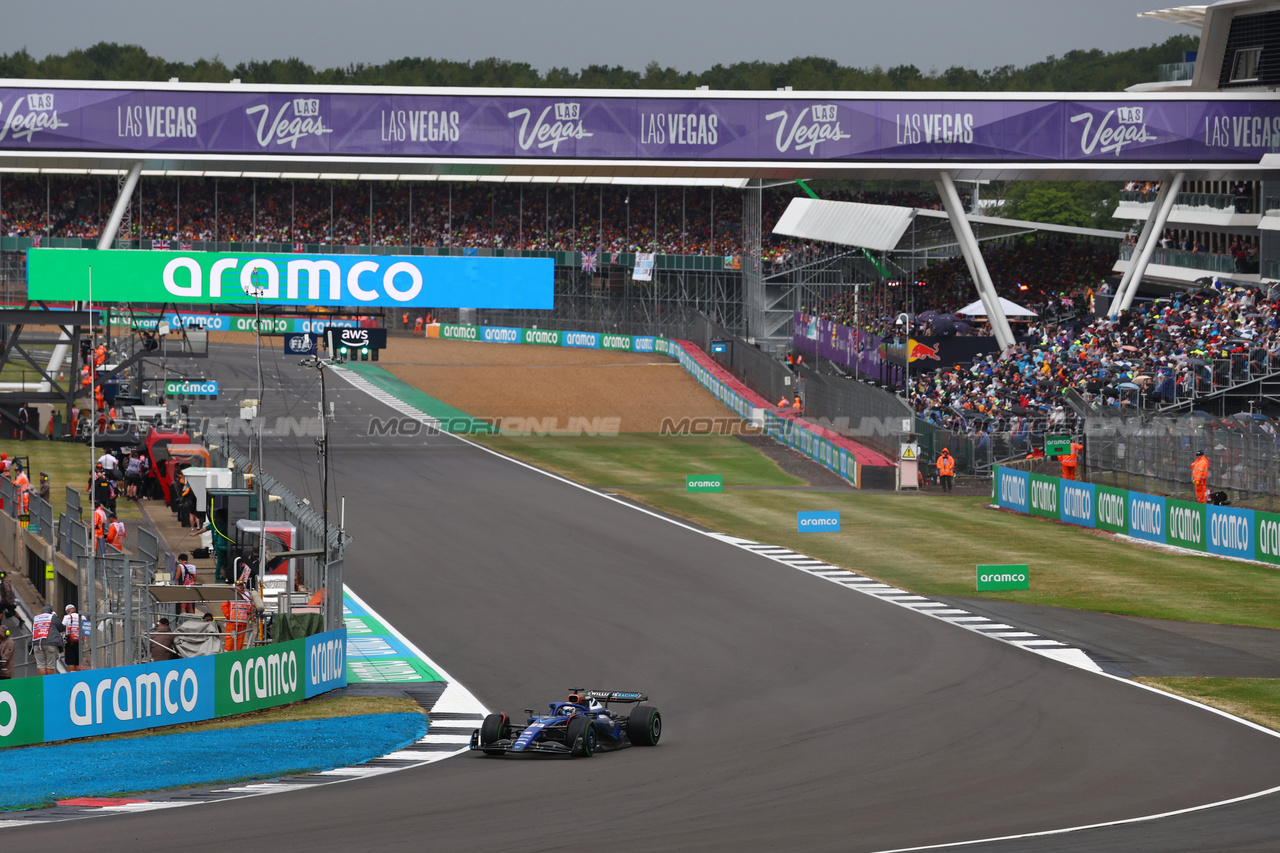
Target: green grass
x,y
645,460
1256,699
921,542
67,464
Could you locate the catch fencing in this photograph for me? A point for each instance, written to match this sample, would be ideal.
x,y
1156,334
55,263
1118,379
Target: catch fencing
x,y
853,409
283,505
1156,454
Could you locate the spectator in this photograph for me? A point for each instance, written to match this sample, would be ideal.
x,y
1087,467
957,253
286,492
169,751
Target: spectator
x,y
7,598
7,651
161,642
184,574
74,623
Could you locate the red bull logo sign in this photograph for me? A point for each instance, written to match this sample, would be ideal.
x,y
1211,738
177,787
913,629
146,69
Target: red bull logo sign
x,y
917,351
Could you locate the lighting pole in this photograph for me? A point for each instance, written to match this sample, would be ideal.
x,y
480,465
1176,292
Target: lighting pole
x,y
322,444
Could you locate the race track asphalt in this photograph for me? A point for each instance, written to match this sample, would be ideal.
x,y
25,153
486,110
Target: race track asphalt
x,y
798,715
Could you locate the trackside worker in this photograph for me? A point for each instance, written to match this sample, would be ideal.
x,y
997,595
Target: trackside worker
x,y
116,533
782,404
23,484
237,614
1070,461
1200,476
417,327
100,522
796,404
946,470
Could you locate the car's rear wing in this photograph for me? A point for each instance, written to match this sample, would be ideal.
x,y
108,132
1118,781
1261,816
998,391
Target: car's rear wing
x,y
607,696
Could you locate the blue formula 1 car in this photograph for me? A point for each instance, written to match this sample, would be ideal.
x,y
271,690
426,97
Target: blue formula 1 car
x,y
580,727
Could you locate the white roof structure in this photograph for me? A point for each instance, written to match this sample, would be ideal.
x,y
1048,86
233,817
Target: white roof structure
x,y
1011,309
880,227
872,226
1187,16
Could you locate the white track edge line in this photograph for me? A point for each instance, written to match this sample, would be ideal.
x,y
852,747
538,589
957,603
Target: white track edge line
x,y
740,544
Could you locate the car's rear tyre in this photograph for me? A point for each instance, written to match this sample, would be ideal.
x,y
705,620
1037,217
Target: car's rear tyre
x,y
494,728
644,726
580,735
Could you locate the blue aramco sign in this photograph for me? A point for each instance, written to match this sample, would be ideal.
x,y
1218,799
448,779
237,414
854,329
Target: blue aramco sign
x,y
809,522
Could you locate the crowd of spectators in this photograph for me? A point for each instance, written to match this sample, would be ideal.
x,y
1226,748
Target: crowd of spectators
x,y
675,220
1048,276
1159,352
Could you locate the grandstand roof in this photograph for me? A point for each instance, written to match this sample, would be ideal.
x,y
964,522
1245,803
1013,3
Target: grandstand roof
x,y
591,136
883,228
1188,16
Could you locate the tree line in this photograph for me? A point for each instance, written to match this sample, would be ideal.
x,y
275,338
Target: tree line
x,y
1075,71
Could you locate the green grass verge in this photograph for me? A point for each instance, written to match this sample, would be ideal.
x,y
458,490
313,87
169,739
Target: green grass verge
x,y
453,420
644,460
1256,699
924,543
67,463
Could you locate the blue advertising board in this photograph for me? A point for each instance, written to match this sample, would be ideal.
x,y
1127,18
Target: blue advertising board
x,y
128,698
326,662
1147,517
1013,489
1231,532
500,335
1075,503
825,522
589,340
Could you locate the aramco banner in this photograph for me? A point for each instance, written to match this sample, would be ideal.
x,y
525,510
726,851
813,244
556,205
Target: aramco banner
x,y
329,280
1226,531
130,698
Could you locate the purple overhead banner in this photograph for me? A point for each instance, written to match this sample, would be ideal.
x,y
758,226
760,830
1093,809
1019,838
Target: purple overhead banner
x,y
1142,129
857,350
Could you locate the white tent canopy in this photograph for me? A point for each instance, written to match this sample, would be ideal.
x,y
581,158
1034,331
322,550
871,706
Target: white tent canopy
x,y
975,309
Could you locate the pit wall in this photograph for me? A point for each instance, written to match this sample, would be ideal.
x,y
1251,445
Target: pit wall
x,y
97,702
828,449
1226,531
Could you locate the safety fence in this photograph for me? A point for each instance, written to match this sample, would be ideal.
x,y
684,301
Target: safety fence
x,y
821,446
850,408
1156,454
1226,531
97,702
281,504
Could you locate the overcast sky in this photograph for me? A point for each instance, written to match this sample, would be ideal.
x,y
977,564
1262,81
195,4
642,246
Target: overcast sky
x,y
690,35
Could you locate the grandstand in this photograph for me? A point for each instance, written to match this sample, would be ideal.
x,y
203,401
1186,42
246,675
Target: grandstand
x,y
704,181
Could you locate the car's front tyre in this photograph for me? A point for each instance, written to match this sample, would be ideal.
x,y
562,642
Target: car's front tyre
x,y
495,727
580,735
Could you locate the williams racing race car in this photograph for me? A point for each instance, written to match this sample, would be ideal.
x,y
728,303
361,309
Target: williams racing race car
x,y
580,726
